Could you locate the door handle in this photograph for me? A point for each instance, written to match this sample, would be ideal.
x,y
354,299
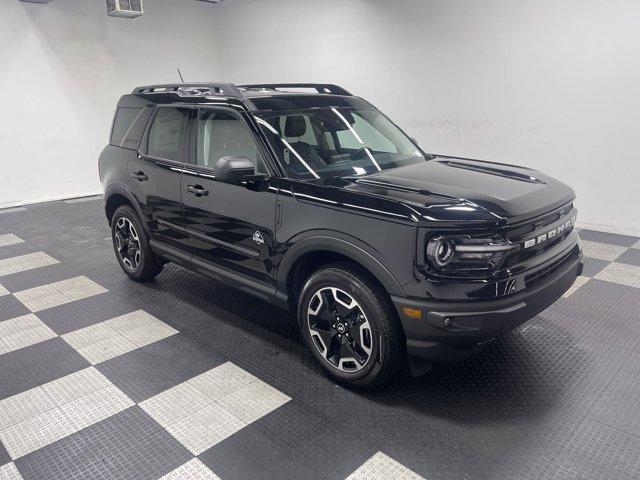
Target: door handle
x,y
197,190
140,176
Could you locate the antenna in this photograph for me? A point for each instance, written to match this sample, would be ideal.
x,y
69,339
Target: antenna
x,y
180,74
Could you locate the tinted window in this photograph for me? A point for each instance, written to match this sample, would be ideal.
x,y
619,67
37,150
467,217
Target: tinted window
x,y
122,123
167,133
221,134
337,142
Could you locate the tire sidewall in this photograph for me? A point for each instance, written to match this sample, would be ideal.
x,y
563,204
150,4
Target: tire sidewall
x,y
126,212
366,299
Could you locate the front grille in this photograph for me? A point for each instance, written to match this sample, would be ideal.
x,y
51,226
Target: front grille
x,y
550,270
519,234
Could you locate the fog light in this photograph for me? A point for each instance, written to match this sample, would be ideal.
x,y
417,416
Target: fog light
x,y
412,312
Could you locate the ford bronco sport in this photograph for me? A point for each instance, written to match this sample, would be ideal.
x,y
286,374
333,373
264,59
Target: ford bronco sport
x,y
310,198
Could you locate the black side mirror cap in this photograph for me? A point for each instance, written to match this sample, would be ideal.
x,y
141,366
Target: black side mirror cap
x,y
257,183
231,169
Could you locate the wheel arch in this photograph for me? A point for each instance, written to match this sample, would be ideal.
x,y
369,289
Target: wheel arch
x,y
116,196
311,253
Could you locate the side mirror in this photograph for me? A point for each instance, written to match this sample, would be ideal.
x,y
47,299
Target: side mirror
x,y
232,169
415,142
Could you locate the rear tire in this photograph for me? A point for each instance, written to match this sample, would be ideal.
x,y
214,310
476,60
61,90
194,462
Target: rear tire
x,y
131,246
350,326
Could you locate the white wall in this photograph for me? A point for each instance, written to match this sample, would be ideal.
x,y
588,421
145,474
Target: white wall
x,y
63,67
552,84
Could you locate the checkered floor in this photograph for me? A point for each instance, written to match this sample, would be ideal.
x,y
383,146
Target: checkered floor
x,y
184,378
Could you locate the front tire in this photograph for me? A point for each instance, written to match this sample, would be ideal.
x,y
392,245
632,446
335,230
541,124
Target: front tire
x,y
350,326
131,246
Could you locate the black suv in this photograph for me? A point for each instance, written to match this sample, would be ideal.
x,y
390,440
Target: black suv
x,y
309,198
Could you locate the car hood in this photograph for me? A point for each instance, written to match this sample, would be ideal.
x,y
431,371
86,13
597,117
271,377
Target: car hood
x,y
447,188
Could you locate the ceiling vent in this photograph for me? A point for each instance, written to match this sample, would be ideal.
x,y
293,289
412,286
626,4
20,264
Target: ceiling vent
x,y
124,8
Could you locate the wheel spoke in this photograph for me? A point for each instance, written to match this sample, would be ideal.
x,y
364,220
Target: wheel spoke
x,y
127,243
340,330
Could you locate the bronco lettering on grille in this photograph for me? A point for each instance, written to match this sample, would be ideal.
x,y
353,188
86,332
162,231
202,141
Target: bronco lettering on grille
x,y
550,234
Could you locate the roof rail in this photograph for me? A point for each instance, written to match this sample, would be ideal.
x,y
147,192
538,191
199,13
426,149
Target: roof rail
x,y
192,89
319,87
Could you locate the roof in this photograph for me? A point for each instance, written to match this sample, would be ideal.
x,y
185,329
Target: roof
x,y
280,96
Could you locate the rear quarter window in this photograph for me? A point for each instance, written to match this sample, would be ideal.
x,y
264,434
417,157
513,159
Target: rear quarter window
x,y
122,123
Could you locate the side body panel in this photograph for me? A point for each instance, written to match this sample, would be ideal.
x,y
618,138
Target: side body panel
x,y
231,228
378,238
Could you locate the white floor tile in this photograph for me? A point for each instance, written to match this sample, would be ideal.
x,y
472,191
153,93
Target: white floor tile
x,y
23,331
22,406
620,273
3,291
205,428
40,416
253,401
96,406
580,281
602,251
9,239
22,263
383,467
58,293
205,410
36,432
10,472
76,385
117,336
192,470
174,404
220,381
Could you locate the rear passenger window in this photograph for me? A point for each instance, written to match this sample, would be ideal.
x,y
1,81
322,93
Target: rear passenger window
x,y
167,133
121,124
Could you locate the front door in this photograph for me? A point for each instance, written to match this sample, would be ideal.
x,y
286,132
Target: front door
x,y
154,176
230,228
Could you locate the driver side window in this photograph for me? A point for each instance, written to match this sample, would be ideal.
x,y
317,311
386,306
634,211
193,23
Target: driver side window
x,y
222,134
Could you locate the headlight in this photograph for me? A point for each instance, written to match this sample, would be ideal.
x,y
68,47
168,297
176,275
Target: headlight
x,y
440,252
465,253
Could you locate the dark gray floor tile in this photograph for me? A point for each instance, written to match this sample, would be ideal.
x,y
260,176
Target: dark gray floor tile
x,y
11,307
301,442
592,266
154,368
604,237
83,313
16,250
631,257
129,445
617,406
612,307
37,277
37,364
596,451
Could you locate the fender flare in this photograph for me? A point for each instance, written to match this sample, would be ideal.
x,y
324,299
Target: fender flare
x,y
117,189
351,248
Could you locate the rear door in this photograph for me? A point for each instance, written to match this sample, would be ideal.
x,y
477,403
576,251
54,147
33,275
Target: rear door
x,y
230,228
154,175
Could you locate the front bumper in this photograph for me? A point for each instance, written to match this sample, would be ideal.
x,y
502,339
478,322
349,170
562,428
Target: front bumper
x,y
452,331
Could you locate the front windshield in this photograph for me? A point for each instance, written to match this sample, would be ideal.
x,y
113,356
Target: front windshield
x,y
337,142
